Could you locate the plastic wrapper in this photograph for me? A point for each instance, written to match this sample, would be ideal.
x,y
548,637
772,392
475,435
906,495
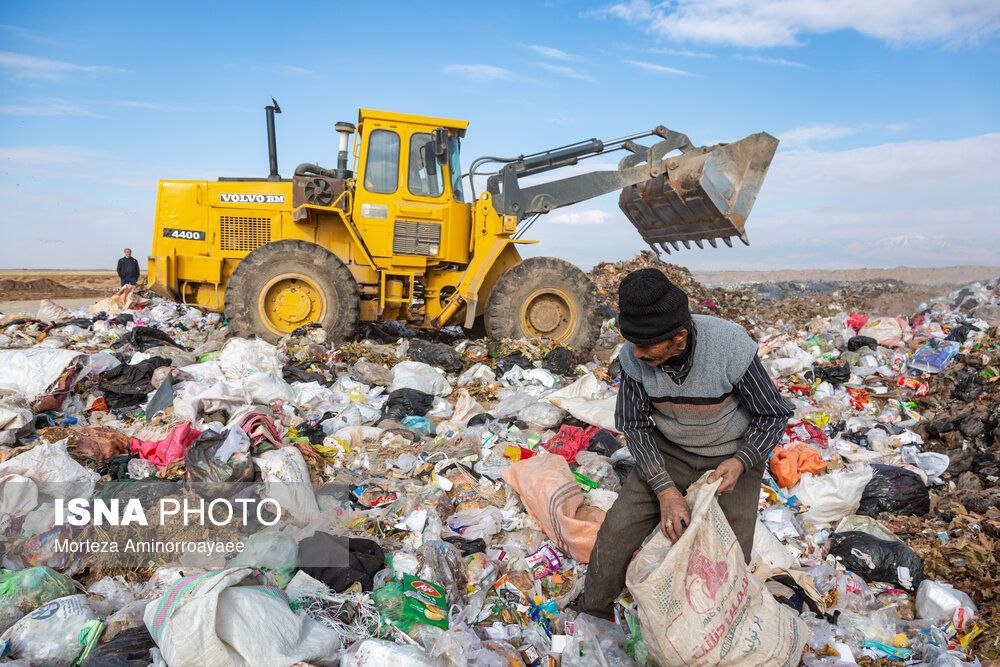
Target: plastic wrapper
x,y
877,560
934,355
29,589
832,496
542,414
217,478
419,376
895,490
379,653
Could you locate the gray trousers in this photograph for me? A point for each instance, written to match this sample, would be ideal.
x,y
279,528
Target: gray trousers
x,y
636,513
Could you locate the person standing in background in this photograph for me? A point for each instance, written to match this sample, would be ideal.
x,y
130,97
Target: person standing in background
x,y
128,269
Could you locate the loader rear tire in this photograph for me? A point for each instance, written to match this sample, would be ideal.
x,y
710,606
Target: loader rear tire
x,y
285,285
545,297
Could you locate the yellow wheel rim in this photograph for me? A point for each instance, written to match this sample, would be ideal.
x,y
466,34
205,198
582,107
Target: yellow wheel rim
x,y
546,313
290,301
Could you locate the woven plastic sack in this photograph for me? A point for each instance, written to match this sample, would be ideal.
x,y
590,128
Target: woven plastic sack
x,y
553,498
699,603
211,619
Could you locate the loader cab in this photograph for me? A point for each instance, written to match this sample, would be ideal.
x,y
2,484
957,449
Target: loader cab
x,y
408,202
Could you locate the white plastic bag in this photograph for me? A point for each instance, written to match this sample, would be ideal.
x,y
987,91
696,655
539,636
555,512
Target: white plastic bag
x,y
475,374
938,601
51,635
53,471
32,371
379,653
932,463
286,480
542,414
420,376
832,496
699,603
212,619
243,356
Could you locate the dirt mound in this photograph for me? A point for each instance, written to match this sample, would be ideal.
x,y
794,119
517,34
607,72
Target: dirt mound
x,y
42,288
39,285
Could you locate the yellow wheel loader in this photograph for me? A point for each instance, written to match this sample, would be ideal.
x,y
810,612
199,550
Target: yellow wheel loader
x,y
398,232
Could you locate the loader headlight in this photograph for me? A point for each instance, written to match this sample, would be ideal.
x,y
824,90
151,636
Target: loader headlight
x,y
432,249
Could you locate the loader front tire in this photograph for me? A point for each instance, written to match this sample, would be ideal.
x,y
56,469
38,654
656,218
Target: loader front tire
x,y
545,297
285,285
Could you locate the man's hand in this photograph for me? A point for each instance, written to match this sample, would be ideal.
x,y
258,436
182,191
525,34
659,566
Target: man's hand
x,y
729,471
674,513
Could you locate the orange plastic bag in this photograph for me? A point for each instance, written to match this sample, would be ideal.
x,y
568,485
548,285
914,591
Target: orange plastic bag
x,y
790,461
553,498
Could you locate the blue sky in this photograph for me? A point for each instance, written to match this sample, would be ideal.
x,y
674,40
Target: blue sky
x,y
888,115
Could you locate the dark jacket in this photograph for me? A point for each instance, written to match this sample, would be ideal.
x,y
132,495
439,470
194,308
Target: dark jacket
x,y
128,269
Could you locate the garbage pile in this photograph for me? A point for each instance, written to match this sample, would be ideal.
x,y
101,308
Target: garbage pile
x,y
434,501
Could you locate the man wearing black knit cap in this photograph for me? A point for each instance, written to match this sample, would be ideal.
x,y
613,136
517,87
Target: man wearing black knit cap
x,y
694,397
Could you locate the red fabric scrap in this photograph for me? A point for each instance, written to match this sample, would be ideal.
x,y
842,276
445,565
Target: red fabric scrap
x,y
171,449
570,441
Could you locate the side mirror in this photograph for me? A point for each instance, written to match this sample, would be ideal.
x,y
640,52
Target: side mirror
x,y
441,143
430,163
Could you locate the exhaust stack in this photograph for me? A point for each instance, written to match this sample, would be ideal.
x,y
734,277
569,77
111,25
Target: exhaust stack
x,y
345,130
272,143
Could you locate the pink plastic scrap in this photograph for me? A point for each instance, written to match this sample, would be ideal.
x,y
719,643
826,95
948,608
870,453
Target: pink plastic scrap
x,y
260,428
171,449
570,441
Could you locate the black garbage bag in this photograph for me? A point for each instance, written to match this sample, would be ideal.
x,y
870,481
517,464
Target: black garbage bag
x,y
481,418
967,387
291,373
147,491
212,478
144,338
508,362
436,354
129,648
559,361
81,322
127,385
122,319
961,332
339,561
874,559
604,443
835,375
857,342
405,402
895,490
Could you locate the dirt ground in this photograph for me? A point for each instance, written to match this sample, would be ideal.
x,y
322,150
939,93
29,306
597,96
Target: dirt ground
x,y
22,290
946,276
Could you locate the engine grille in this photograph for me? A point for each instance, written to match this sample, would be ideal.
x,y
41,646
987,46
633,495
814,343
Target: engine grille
x,y
241,233
416,238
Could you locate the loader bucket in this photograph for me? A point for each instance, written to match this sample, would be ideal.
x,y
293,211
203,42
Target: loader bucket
x,y
703,194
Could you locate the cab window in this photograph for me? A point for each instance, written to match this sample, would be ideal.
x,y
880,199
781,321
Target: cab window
x,y
382,167
421,181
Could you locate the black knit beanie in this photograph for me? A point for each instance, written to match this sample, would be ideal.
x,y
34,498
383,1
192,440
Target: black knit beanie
x,y
651,309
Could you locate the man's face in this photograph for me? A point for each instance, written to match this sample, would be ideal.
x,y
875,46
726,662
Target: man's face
x,y
659,353
128,252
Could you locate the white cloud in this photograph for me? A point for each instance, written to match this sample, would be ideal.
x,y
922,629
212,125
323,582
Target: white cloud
x,y
659,69
480,72
30,35
148,106
550,52
46,107
683,53
766,23
581,217
23,66
757,58
802,136
563,70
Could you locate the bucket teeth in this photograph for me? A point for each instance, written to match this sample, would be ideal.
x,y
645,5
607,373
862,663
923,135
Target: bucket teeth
x,y
705,194
712,243
728,241
665,248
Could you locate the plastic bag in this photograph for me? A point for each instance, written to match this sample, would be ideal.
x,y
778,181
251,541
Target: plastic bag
x,y
55,633
371,374
570,440
938,601
109,595
790,461
855,343
379,652
127,647
214,478
407,402
553,498
595,643
934,355
895,490
877,560
271,551
832,496
419,376
435,354
542,414
286,480
888,331
31,588
241,357
476,524
220,621
934,464
698,601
